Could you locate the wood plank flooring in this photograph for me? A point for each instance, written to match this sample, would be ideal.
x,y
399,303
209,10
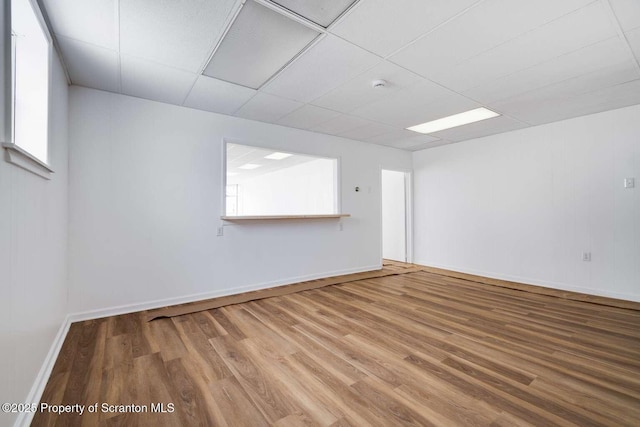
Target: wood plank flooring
x,y
415,349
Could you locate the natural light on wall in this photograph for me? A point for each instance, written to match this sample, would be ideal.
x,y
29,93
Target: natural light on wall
x,y
263,182
30,52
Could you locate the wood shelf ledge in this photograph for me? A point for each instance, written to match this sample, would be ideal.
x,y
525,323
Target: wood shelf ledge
x,y
281,217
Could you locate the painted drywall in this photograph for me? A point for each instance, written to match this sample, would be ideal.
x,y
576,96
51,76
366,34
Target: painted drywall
x,y
393,215
33,258
145,206
304,189
525,205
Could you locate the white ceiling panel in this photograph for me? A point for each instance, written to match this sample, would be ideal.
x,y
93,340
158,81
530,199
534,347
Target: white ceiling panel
x,y
568,33
149,80
307,117
322,13
94,22
600,55
416,104
215,95
180,34
259,43
340,124
267,108
544,98
627,12
604,99
383,26
326,65
633,37
394,137
483,128
367,131
423,145
90,65
402,139
483,27
359,91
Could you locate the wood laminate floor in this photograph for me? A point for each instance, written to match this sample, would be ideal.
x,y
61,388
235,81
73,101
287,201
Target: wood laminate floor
x,y
415,349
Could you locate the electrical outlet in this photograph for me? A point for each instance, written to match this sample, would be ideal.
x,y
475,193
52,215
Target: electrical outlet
x,y
220,231
629,182
586,256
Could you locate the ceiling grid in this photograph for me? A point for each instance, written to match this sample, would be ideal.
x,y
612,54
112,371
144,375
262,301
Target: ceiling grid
x,y
531,62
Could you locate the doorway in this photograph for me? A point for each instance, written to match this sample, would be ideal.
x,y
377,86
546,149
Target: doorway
x,y
395,218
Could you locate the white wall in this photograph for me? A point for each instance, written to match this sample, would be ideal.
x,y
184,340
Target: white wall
x,y
304,189
525,205
33,258
145,202
393,215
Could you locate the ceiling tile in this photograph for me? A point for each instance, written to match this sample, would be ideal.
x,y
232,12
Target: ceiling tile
x,y
322,13
568,33
425,145
600,55
359,91
260,42
153,81
267,108
176,33
394,136
91,66
403,141
341,124
483,128
487,25
215,95
307,117
607,98
627,12
383,26
545,97
415,104
326,65
367,131
94,22
633,37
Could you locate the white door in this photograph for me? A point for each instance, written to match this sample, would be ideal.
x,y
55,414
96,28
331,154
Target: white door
x,y
394,231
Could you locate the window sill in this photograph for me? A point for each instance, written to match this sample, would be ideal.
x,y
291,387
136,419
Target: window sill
x,y
281,217
26,161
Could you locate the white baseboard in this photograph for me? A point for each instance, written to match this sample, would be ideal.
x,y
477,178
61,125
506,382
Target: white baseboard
x,y
535,282
132,308
35,394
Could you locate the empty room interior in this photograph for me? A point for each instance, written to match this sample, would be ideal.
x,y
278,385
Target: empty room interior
x,y
320,213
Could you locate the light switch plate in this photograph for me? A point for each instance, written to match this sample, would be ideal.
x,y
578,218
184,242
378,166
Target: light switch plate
x,y
629,182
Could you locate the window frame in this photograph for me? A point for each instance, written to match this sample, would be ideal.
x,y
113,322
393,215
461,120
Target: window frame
x,y
16,154
223,189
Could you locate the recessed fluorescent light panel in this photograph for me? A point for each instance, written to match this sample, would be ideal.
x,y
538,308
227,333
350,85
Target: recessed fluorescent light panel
x,y
277,156
249,166
258,44
465,118
322,13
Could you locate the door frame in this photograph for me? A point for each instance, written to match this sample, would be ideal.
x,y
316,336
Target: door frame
x,y
408,210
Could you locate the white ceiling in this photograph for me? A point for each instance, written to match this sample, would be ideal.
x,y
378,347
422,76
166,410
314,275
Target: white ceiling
x,y
532,61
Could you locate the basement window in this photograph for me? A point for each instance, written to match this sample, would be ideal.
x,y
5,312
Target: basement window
x,y
30,66
262,182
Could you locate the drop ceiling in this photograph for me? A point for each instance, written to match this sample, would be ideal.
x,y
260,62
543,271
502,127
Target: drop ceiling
x,y
534,62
